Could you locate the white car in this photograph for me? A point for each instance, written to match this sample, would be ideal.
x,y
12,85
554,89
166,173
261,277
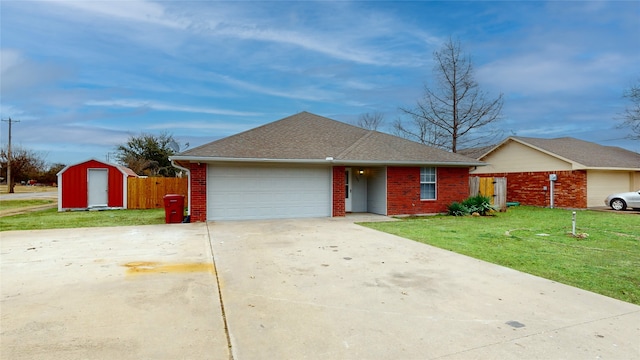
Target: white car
x,y
621,201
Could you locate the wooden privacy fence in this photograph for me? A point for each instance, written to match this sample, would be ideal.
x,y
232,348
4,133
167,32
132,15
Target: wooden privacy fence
x,y
147,193
494,188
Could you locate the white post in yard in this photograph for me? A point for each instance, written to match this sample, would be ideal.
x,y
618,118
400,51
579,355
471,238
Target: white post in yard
x,y
573,227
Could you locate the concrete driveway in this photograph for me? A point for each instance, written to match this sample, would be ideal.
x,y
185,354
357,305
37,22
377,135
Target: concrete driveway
x,y
146,292
290,289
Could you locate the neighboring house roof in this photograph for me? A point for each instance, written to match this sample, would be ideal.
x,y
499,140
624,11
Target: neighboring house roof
x,y
582,154
123,169
476,152
305,137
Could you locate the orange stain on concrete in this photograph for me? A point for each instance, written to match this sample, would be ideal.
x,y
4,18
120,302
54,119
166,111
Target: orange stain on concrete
x,y
150,267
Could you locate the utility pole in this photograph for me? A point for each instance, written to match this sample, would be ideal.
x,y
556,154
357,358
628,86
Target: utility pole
x,y
9,180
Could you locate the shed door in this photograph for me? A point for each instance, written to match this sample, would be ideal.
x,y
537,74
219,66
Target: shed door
x,y
98,187
268,192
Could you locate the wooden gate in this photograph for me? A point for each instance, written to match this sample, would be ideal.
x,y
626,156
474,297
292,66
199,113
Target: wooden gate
x,y
494,188
147,193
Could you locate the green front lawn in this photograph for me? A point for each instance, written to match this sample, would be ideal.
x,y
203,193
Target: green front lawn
x,y
604,258
52,219
15,204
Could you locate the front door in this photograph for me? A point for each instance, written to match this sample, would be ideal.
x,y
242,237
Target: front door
x,y
347,190
98,180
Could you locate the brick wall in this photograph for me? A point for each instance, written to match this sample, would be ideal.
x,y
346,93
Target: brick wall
x,y
198,192
338,191
403,190
570,190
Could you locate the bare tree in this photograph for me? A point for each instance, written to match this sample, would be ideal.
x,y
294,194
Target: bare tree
x,y
455,113
631,115
421,131
370,121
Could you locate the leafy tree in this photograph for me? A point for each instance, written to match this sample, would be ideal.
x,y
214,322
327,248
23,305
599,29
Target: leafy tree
x,y
370,121
148,154
454,113
25,164
631,115
50,175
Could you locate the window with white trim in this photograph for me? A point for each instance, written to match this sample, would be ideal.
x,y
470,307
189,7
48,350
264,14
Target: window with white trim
x,y
427,183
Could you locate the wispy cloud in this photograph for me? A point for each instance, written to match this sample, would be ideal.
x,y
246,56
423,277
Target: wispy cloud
x,y
301,93
7,111
130,10
550,72
159,106
376,38
19,73
327,45
226,127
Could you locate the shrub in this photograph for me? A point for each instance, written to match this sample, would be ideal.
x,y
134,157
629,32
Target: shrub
x,y
457,209
475,204
480,204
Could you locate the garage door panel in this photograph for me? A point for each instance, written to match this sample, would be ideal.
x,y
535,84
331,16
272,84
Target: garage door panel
x,y
601,184
268,192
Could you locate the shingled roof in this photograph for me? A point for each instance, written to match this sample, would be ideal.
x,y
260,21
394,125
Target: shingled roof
x,y
305,137
582,154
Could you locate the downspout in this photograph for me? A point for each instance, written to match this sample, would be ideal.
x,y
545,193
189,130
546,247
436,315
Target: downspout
x,y
552,181
173,163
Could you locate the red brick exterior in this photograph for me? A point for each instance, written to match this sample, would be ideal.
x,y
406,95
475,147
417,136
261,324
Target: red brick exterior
x,y
338,191
403,190
198,192
570,190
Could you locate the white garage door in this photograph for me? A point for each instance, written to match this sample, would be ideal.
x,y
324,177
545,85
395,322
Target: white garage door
x,y
601,184
268,192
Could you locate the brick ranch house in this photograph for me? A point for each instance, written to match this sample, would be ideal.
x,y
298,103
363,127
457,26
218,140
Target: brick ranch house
x,y
586,172
306,165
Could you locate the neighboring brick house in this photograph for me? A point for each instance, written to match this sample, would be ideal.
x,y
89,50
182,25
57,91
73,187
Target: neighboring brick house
x,y
586,172
306,165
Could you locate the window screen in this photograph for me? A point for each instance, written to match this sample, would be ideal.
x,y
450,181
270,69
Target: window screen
x,y
427,183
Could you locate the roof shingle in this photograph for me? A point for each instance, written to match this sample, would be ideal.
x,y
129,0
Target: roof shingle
x,y
586,153
305,136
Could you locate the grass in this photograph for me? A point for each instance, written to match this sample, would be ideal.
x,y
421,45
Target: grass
x,y
52,219
605,259
15,204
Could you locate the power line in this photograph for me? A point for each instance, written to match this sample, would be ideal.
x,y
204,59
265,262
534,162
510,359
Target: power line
x,y
10,188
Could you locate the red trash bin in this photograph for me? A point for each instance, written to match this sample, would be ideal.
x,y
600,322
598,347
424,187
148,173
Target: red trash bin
x,y
173,208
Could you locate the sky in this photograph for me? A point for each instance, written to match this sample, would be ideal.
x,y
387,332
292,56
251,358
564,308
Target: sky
x,y
81,77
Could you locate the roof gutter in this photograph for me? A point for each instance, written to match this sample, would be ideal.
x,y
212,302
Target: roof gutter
x,y
610,168
328,160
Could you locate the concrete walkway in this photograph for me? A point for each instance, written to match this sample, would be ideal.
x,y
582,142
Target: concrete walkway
x,y
290,289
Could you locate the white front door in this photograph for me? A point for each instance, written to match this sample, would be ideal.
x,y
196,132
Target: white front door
x,y
98,180
347,190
